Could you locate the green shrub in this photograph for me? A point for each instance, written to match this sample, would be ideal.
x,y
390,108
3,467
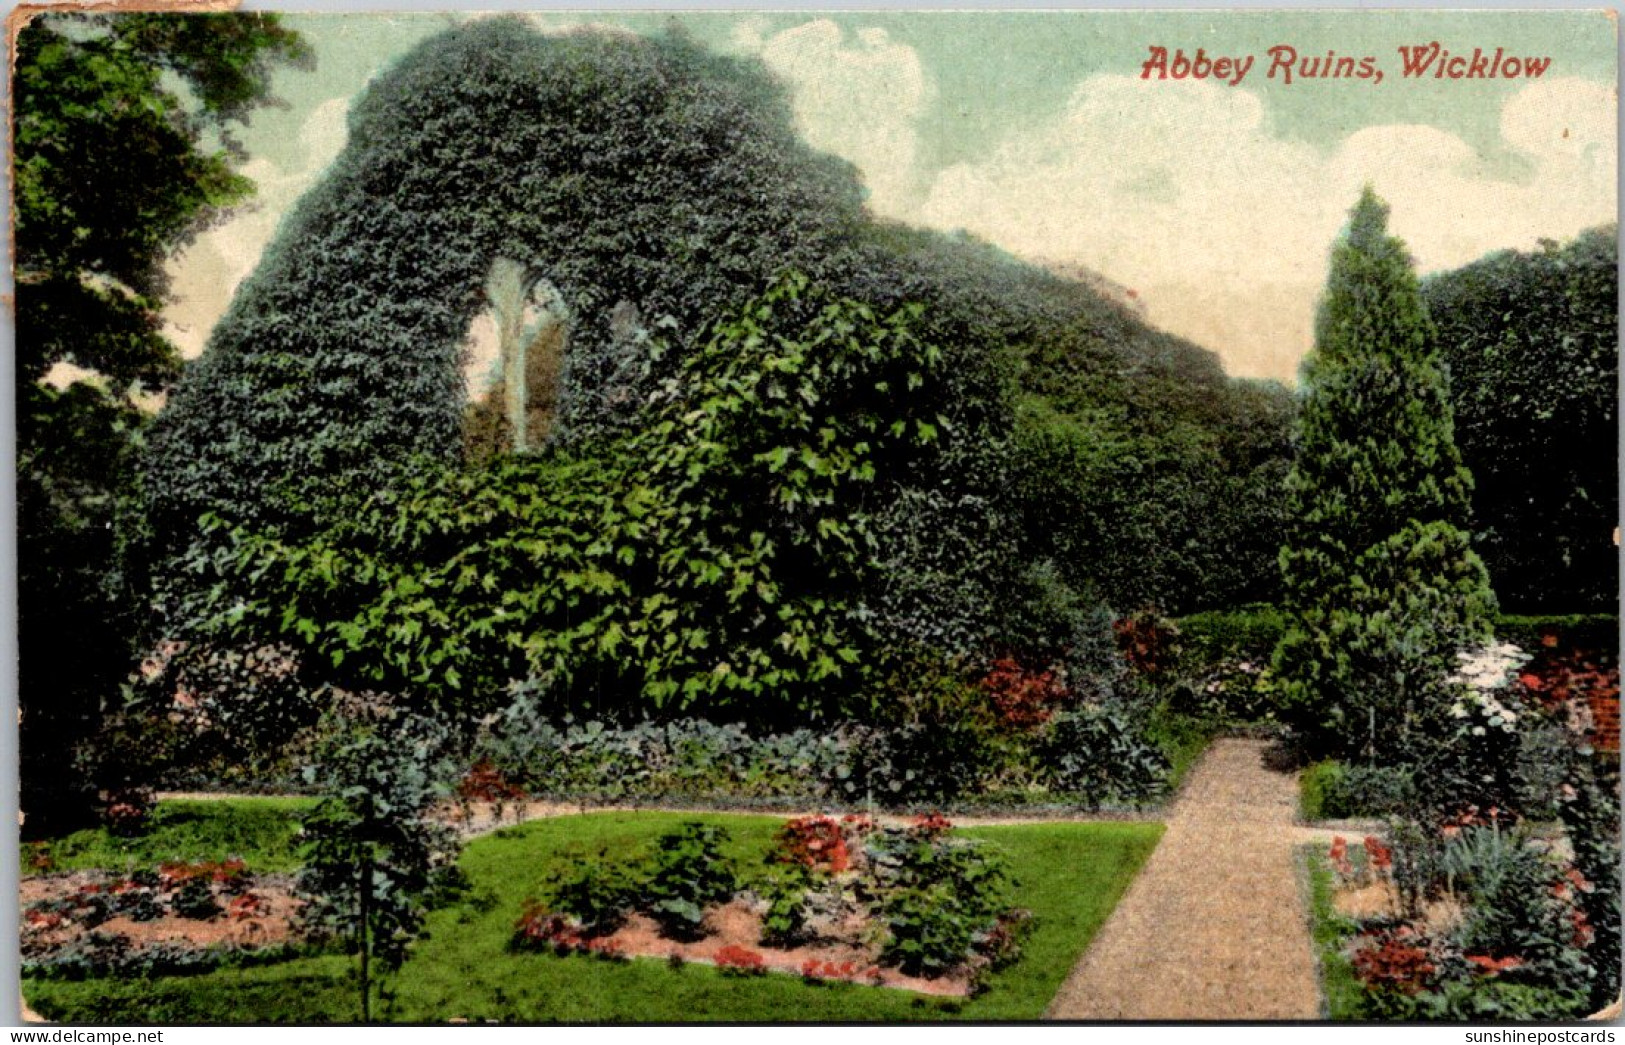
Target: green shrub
x,y
928,930
1332,790
1097,754
140,905
1532,343
595,892
1247,633
1229,691
1050,622
1321,790
687,873
939,757
1509,883
939,737
785,889
195,900
938,895
1380,791
1478,1000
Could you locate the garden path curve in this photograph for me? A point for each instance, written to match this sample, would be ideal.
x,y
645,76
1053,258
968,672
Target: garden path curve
x,y
1214,926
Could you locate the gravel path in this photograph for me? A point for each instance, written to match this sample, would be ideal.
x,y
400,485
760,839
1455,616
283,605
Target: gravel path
x,y
1214,927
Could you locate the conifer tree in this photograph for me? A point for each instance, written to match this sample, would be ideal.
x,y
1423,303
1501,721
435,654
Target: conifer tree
x,y
1381,584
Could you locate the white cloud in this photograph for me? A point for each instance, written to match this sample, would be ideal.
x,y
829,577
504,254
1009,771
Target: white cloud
x,y
1186,194
858,97
549,24
205,276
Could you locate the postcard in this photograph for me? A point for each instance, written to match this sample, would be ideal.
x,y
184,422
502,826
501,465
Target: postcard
x,y
870,517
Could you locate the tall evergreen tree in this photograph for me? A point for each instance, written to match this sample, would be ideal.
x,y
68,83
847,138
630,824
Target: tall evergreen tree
x,y
1381,585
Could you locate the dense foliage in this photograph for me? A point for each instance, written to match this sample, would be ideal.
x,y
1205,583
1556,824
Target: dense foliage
x,y
153,97
1087,759
1147,474
139,94
1532,343
578,157
720,553
368,292
1382,586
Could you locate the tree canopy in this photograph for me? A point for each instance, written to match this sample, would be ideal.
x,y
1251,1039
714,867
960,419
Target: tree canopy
x,y
1532,343
113,120
94,96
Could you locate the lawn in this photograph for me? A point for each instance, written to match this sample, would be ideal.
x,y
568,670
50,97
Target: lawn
x,y
1340,989
1069,875
263,831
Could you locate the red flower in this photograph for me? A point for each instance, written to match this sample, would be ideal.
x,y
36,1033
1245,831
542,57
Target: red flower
x,y
1340,856
1390,959
246,906
932,825
1583,933
485,783
734,958
1494,966
1022,699
540,928
1381,856
814,841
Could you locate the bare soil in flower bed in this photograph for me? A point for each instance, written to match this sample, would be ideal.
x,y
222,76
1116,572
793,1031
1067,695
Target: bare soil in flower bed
x,y
271,922
1379,899
735,929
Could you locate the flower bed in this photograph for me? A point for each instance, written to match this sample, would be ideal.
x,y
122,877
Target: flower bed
x,y
180,915
843,899
1479,920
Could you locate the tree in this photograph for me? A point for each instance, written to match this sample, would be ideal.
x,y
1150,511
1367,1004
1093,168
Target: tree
x,y
1381,585
1532,343
374,860
111,117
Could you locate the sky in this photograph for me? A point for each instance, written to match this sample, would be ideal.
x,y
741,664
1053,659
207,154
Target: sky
x,y
1215,202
